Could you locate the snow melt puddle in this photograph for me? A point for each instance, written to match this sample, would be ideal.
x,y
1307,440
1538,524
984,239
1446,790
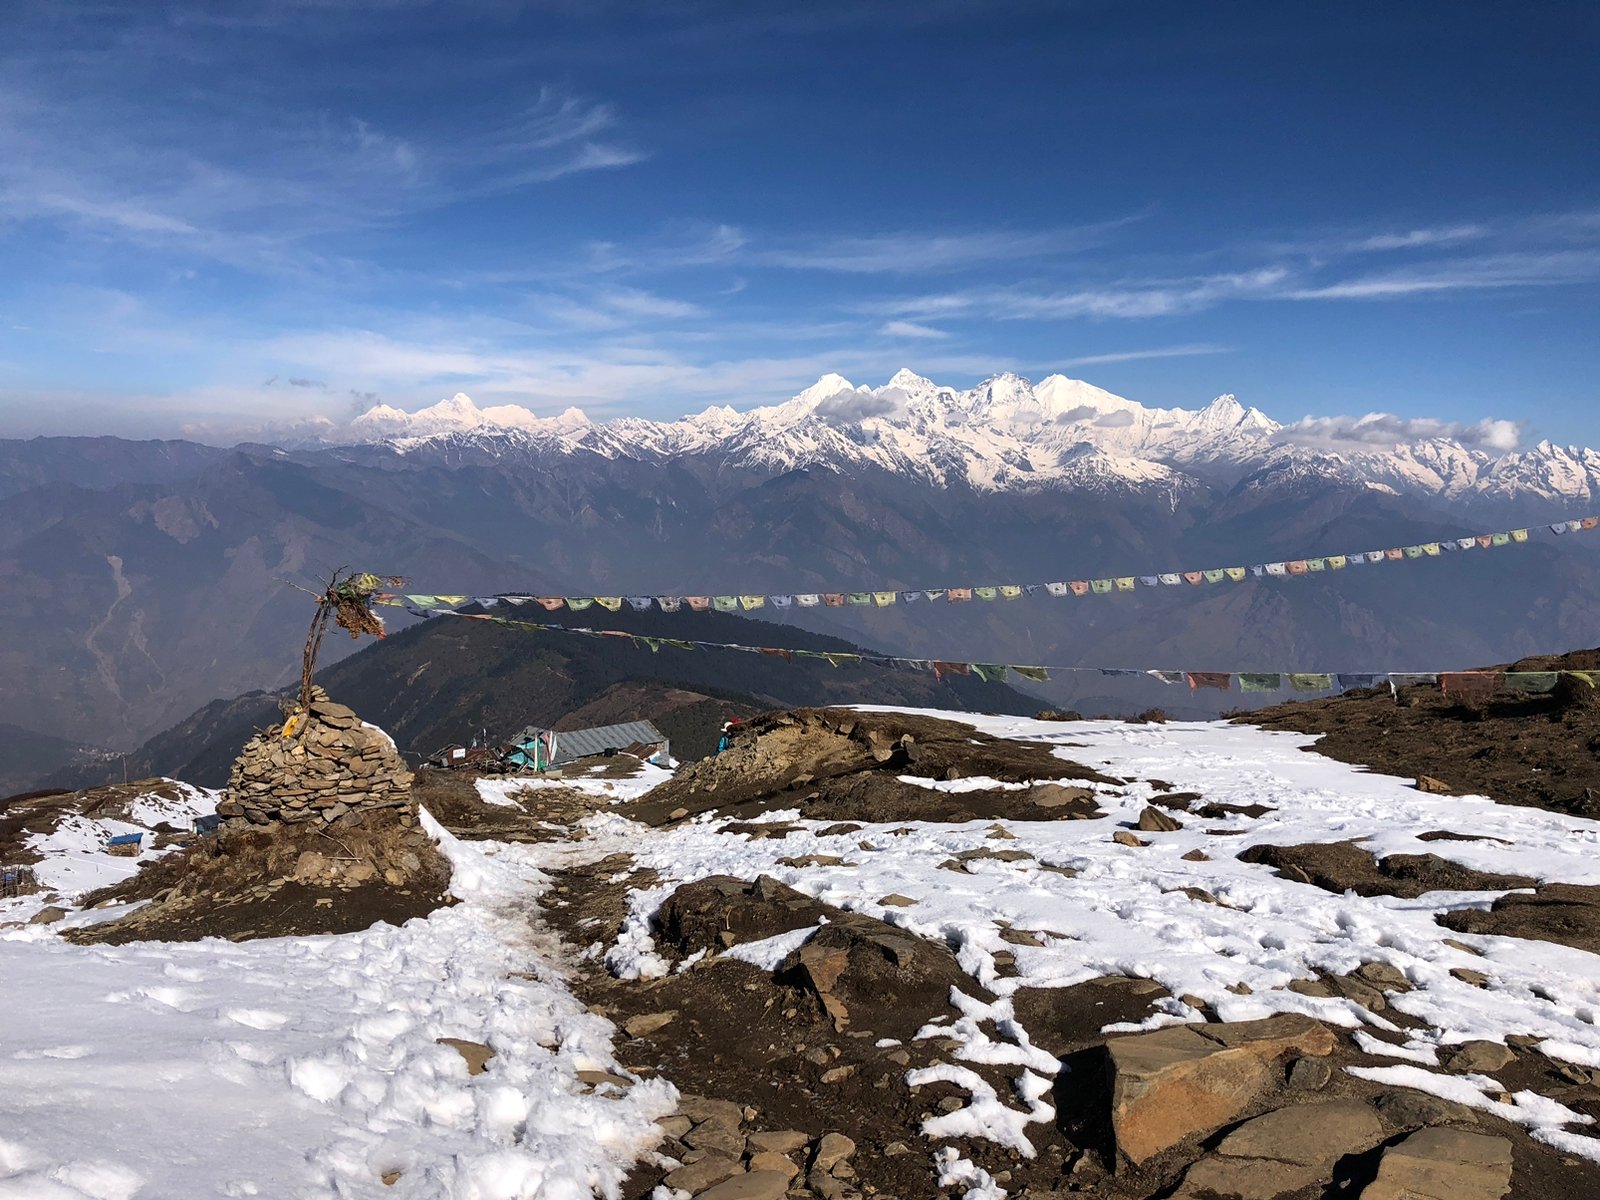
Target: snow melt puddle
x,y
1120,910
309,1066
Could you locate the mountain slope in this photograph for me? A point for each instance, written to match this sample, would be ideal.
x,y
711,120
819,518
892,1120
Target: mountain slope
x,y
449,680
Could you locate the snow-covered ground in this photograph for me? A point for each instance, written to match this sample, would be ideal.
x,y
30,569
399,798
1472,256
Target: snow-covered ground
x,y
309,1067
73,857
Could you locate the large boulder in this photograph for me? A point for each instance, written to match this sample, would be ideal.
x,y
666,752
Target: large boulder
x,y
1283,1151
1443,1164
1189,1080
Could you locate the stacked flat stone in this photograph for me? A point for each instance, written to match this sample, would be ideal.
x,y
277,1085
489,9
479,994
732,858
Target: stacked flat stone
x,y
322,764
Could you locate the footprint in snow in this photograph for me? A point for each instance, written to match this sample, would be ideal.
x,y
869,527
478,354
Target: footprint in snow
x,y
256,1018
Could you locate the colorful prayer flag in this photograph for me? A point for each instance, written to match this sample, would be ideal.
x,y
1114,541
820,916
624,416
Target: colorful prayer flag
x,y
1222,681
1215,576
990,672
808,599
985,593
749,602
725,603
957,595
1009,591
1100,586
1037,674
1260,681
698,603
1303,681
579,603
1234,573
833,599
609,603
1532,681
1125,583
883,599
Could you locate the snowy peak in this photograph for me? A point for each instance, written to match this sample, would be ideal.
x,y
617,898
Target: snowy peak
x,y
1007,434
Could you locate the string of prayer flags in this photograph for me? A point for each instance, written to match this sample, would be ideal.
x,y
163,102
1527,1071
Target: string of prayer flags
x,y
1467,687
749,602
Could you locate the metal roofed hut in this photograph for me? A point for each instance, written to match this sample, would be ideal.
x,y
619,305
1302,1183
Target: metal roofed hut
x,y
544,749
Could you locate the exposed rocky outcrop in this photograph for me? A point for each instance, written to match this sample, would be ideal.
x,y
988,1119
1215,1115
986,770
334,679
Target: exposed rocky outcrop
x,y
1443,1164
1189,1080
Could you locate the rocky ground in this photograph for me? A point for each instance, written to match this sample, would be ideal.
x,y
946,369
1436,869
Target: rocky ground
x,y
892,956
838,1061
1538,750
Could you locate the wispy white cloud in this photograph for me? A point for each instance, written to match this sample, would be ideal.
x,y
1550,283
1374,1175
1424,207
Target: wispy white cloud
x,y
1153,298
910,329
910,253
1521,269
1188,351
1412,239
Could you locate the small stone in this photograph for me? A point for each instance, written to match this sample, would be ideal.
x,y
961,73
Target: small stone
x,y
1155,820
834,1148
647,1023
1196,856
676,1125
771,1160
1468,975
777,1141
704,1173
896,900
677,814
715,1138
1406,1109
838,1074
951,1104
1310,1074
476,1054
48,915
1427,783
1123,838
390,1178
1384,975
1479,1058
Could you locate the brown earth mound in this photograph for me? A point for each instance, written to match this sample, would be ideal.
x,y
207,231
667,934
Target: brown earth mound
x,y
1542,751
837,764
289,880
1345,867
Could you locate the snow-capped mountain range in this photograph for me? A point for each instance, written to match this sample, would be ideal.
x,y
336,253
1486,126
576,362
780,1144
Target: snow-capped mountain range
x,y
1005,434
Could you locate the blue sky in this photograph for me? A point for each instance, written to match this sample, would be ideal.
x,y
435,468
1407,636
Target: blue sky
x,y
214,216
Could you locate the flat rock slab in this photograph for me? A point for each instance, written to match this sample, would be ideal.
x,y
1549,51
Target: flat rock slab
x,y
1188,1080
1283,1151
755,1185
1443,1164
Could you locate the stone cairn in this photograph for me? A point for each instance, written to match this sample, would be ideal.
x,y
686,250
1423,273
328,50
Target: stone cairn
x,y
322,764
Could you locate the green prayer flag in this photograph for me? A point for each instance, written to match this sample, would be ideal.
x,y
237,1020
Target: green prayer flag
x,y
579,603
679,643
1311,682
1100,586
858,598
1037,674
1260,681
985,593
1532,681
1215,576
1316,564
725,603
990,672
1500,539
